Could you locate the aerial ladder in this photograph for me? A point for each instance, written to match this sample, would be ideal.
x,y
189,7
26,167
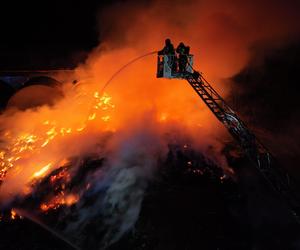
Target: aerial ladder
x,y
279,179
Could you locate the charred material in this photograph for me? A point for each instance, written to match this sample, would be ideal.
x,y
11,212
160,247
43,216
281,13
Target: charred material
x,y
184,169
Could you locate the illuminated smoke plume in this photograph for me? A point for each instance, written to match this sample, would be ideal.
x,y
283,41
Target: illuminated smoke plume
x,y
221,33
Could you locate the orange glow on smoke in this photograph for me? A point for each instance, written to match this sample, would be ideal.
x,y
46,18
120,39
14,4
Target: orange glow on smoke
x,y
42,140
30,150
36,142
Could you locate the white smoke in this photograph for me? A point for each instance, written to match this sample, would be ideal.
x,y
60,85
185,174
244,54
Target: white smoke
x,y
119,187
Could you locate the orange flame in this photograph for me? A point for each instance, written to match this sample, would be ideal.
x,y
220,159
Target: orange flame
x,y
26,149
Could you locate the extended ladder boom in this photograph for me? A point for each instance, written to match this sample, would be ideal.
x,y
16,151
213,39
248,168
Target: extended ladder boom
x,y
255,150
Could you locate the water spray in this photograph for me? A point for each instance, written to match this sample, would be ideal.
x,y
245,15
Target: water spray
x,y
124,67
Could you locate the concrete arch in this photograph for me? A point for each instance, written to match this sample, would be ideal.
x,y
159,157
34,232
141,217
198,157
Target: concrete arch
x,y
37,91
42,80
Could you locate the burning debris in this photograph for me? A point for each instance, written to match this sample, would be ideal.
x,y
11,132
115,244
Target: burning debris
x,y
98,185
100,202
76,170
20,146
82,167
106,196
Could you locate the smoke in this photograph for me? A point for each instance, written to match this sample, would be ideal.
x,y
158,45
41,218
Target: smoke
x,y
120,188
147,113
220,33
46,138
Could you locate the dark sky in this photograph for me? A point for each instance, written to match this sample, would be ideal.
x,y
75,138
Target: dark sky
x,y
47,33
266,94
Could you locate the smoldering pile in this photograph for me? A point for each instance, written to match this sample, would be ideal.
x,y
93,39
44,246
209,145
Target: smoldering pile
x,y
82,169
93,203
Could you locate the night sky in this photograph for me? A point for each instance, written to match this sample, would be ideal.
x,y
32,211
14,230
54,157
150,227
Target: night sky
x,y
51,34
266,93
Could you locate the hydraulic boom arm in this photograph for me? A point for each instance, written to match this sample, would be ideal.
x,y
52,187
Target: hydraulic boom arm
x,y
255,150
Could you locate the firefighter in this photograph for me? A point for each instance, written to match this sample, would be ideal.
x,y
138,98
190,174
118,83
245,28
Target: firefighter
x,y
169,51
187,50
182,51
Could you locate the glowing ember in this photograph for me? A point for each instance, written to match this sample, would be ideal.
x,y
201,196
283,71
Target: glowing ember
x,y
163,117
23,150
58,201
42,171
13,214
92,116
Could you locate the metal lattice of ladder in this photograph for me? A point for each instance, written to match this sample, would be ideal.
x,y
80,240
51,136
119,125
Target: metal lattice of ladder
x,y
254,149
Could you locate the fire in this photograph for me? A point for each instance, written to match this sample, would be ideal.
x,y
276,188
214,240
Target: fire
x,y
105,118
58,201
23,151
42,171
163,117
62,175
33,154
39,140
37,147
13,214
92,117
